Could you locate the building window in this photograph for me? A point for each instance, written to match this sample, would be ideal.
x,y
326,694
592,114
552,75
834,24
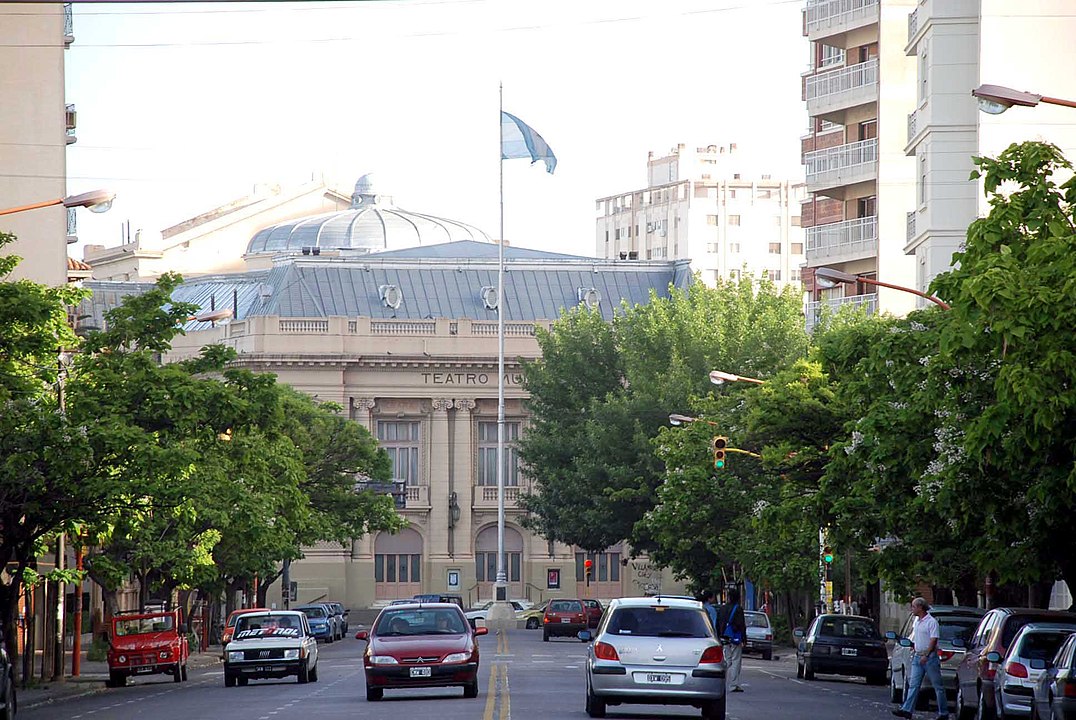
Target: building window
x,y
775,248
712,248
796,220
734,220
923,74
606,236
606,567
485,566
922,188
778,220
711,219
487,453
795,275
774,275
400,440
734,248
765,194
732,194
397,568
701,191
868,130
796,248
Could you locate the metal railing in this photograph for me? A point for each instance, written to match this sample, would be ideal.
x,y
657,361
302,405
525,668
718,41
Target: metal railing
x,y
855,236
913,122
913,24
842,80
69,21
842,157
911,225
868,301
838,13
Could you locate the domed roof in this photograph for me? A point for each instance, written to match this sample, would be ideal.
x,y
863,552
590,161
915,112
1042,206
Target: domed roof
x,y
372,223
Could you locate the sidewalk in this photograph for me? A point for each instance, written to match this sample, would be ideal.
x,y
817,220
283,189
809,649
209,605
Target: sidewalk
x,y
91,679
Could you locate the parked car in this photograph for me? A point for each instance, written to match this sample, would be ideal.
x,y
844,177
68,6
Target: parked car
x,y
481,612
995,633
532,618
229,625
842,645
342,612
1014,683
321,621
563,617
759,634
421,645
955,622
456,600
594,612
337,615
271,644
147,643
1055,692
655,650
8,697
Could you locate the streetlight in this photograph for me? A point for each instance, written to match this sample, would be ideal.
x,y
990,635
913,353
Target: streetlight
x,y
996,99
676,419
830,277
97,201
718,377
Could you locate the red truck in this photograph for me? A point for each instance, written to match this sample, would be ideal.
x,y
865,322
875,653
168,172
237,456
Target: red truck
x,y
147,643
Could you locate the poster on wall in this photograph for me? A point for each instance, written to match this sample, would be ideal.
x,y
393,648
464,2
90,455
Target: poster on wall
x,y
453,579
552,578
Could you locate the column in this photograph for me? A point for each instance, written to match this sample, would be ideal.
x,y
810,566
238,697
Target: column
x,y
362,412
463,474
440,457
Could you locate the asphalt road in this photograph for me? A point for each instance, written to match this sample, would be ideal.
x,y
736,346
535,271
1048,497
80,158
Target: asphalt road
x,y
521,677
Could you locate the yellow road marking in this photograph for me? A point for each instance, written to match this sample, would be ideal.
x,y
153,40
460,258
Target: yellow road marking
x,y
491,692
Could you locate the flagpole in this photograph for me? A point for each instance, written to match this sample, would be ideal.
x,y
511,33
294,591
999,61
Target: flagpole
x,y
501,586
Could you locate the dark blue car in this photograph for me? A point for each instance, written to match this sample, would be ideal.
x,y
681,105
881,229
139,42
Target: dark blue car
x,y
320,621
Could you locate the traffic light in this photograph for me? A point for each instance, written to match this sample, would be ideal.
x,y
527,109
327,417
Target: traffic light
x,y
827,555
588,565
719,444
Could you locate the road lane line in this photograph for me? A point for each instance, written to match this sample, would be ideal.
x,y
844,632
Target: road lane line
x,y
491,692
506,695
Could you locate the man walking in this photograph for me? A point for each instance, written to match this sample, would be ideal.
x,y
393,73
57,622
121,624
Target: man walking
x,y
732,629
707,600
924,639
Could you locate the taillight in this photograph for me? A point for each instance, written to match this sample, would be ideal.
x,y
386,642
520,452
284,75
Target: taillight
x,y
1069,689
712,655
545,619
605,651
944,655
1016,669
769,636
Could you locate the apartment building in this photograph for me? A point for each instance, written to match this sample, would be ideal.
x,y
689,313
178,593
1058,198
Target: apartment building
x,y
958,45
709,206
858,90
36,125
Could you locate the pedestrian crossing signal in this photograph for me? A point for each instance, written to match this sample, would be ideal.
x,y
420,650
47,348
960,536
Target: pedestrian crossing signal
x,y
719,444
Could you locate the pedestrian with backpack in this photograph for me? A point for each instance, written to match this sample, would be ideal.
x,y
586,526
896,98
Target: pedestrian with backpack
x,y
733,629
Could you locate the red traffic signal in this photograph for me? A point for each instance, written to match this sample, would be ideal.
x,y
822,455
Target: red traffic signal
x,y
588,564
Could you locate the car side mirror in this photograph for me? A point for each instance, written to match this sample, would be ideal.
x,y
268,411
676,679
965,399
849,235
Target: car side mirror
x,y
994,657
904,642
798,632
481,630
362,635
584,635
890,635
959,643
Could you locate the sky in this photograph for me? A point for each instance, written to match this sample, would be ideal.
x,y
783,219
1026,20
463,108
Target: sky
x,y
183,107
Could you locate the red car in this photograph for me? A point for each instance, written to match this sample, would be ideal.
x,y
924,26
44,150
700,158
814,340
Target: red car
x,y
594,612
421,645
147,643
229,627
565,617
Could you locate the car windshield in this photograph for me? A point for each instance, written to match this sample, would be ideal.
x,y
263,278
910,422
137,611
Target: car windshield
x,y
849,627
138,626
659,621
1041,645
314,612
420,622
952,628
565,606
757,620
252,626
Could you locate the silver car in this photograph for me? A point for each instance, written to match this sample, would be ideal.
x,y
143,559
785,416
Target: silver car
x,y
1055,692
1014,683
759,634
655,651
955,622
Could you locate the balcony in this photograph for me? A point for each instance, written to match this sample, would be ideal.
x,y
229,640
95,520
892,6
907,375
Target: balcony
x,y
830,93
815,310
913,28
71,122
911,226
842,241
841,166
69,24
829,18
418,496
485,496
72,226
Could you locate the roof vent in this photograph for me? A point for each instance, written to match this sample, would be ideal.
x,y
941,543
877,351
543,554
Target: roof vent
x,y
391,296
489,297
265,291
589,297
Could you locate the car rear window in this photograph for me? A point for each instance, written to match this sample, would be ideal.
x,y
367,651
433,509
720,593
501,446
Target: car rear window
x,y
849,627
566,606
315,612
757,620
1015,622
950,628
1041,645
659,621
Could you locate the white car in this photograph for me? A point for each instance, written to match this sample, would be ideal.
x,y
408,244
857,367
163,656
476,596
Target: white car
x,y
271,644
481,612
1016,677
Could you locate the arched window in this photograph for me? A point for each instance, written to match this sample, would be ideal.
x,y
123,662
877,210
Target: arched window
x,y
397,565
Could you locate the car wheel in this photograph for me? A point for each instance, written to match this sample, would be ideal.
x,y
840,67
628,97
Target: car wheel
x,y
896,694
304,674
229,679
470,690
876,679
116,679
242,681
314,674
184,672
545,636
983,712
799,670
330,640
374,694
767,654
999,707
962,711
808,671
714,710
532,623
595,707
11,704
177,673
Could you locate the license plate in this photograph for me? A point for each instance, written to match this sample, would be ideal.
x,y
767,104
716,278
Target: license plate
x,y
420,672
144,669
567,620
849,651
661,678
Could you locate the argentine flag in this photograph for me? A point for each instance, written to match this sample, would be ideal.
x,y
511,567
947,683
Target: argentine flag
x,y
518,140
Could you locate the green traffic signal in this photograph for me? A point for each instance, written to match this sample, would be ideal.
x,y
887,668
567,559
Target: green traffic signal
x,y
827,556
718,445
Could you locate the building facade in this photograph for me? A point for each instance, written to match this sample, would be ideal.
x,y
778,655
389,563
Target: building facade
x,y
406,342
958,45
858,90
702,204
36,125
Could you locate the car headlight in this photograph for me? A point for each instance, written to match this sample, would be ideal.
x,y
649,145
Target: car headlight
x,y
122,659
383,660
457,657
163,654
291,654
235,655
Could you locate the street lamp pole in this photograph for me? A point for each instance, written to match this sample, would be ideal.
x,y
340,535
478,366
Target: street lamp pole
x,y
831,277
996,99
97,201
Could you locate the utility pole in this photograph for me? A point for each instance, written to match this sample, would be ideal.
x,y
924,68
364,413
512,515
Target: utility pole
x,y
58,645
76,640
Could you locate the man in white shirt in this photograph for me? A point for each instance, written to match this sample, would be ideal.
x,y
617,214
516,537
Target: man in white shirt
x,y
924,639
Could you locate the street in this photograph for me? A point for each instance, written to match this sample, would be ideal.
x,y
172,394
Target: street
x,y
522,678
